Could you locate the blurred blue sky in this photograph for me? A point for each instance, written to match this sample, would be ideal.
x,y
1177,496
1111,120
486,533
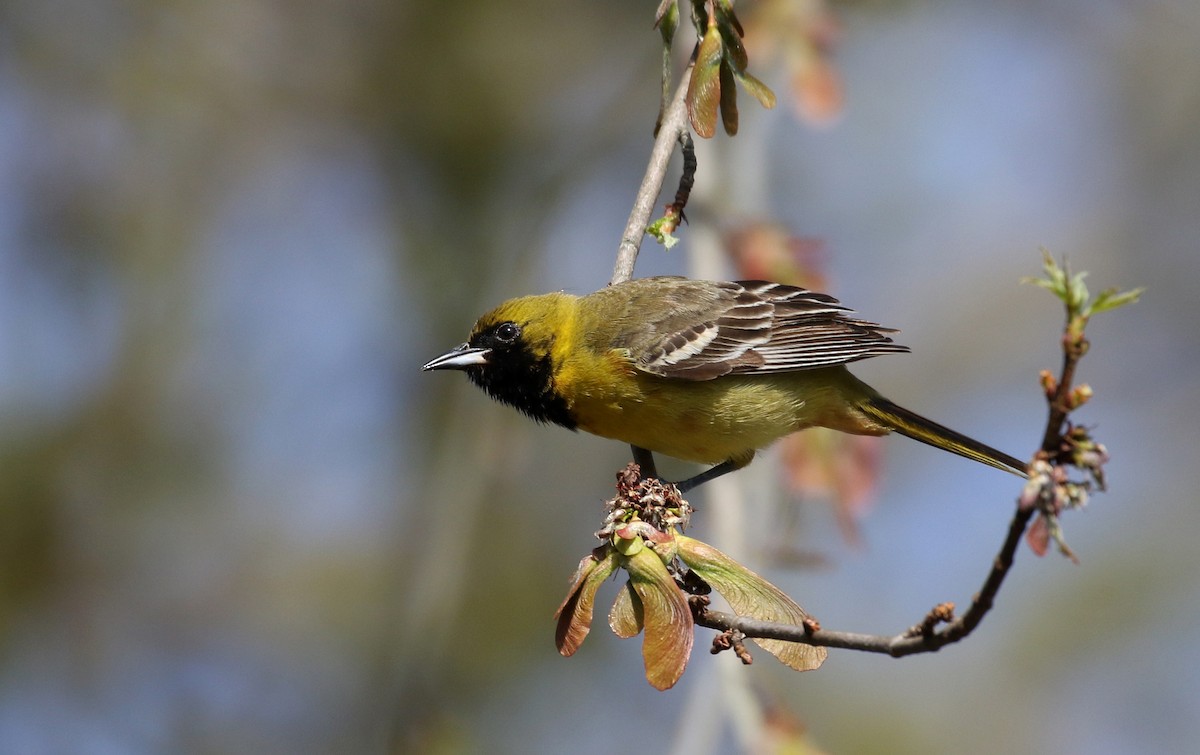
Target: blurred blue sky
x,y
219,275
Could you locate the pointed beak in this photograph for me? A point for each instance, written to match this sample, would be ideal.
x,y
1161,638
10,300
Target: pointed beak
x,y
459,358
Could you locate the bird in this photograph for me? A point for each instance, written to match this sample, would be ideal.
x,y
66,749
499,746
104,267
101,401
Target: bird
x,y
703,371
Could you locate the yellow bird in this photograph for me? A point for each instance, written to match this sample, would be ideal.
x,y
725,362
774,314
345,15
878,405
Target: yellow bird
x,y
703,371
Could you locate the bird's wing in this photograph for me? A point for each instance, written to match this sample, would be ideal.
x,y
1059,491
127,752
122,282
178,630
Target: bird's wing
x,y
760,327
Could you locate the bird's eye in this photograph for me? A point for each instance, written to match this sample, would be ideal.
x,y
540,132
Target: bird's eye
x,y
508,332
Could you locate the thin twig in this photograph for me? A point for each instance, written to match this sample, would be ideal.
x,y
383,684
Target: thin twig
x,y
1073,351
674,123
899,645
645,460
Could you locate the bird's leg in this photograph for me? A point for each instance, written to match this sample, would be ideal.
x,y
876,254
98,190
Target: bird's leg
x,y
712,473
645,461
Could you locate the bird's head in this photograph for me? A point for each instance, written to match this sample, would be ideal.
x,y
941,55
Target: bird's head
x,y
510,354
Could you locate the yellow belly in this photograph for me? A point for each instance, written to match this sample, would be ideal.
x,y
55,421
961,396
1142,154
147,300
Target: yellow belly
x,y
715,420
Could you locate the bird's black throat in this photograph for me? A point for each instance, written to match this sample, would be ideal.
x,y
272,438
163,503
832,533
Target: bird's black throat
x,y
523,380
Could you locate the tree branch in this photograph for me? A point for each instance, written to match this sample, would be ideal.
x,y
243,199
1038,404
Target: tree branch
x,y
1074,347
922,638
674,123
925,637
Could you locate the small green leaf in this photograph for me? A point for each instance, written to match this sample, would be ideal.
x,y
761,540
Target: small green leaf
x,y
757,89
1053,271
666,617
751,595
1055,281
659,230
667,20
1049,285
1074,292
575,614
1077,292
1110,299
625,616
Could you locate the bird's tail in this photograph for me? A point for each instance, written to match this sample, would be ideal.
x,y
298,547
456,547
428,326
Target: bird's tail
x,y
927,431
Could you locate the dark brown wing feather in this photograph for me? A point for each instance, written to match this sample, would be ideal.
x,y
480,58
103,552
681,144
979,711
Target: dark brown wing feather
x,y
762,327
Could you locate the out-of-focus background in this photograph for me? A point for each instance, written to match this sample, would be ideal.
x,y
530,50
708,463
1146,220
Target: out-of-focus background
x,y
235,517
